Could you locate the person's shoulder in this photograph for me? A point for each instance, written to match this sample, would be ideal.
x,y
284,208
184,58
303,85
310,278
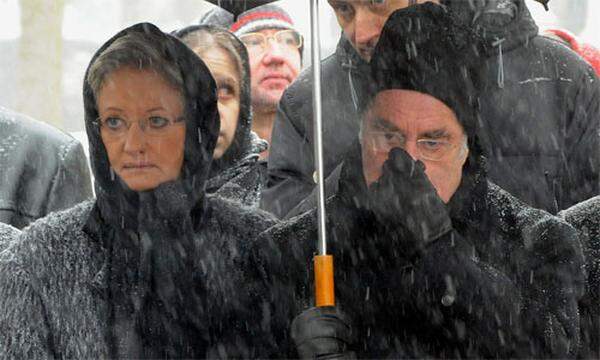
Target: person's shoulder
x,y
60,229
8,233
33,129
295,229
586,213
236,217
565,58
514,216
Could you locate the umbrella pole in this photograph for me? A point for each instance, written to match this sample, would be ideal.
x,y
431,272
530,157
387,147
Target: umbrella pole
x,y
323,263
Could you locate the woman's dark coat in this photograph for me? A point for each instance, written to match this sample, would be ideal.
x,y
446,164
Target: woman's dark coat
x,y
585,217
154,274
238,175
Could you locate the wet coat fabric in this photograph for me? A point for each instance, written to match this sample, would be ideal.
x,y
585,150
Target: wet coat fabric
x,y
237,175
243,181
585,217
43,170
7,235
503,283
539,124
540,109
156,274
589,52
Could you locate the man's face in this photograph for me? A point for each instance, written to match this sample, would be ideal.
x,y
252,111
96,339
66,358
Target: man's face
x,y
363,20
272,67
424,127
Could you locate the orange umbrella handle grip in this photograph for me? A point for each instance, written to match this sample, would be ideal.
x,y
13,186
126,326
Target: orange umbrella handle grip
x,y
324,293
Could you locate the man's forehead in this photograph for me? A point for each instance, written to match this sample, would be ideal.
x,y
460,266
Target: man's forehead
x,y
401,108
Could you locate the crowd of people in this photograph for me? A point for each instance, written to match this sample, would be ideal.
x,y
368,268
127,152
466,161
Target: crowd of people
x,y
462,166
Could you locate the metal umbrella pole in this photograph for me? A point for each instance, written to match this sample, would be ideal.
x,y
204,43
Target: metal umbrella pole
x,y
323,263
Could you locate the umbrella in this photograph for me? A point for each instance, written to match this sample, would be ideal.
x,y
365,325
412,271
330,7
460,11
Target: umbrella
x,y
544,2
236,7
323,263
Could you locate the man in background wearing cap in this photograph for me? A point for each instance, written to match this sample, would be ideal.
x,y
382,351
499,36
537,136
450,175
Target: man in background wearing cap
x,y
275,53
539,116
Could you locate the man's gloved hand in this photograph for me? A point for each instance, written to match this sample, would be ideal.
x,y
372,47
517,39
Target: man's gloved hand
x,y
404,197
322,333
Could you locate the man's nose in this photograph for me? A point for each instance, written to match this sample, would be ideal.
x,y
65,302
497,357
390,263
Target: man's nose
x,y
367,28
411,148
273,52
135,139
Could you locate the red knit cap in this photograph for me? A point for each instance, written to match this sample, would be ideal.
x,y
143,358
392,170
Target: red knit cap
x,y
260,18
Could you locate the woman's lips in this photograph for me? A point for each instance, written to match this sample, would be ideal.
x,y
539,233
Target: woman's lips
x,y
138,166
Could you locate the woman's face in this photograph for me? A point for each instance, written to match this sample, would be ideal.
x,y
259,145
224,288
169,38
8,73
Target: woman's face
x,y
142,127
223,69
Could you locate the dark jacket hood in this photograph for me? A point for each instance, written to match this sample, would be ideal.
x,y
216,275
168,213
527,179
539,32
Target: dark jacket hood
x,y
242,145
502,24
172,201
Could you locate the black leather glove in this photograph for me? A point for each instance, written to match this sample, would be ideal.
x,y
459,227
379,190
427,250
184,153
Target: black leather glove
x,y
322,333
403,197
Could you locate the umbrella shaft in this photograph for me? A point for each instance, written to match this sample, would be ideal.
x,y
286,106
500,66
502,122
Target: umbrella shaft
x,y
318,123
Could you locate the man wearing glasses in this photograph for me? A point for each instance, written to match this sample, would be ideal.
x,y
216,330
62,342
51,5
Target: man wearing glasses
x,y
539,113
275,53
431,259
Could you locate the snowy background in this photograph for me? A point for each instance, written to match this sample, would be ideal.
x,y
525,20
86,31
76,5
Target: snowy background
x,y
45,45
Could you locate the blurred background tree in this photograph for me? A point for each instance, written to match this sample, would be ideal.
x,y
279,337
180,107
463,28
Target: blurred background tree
x,y
40,68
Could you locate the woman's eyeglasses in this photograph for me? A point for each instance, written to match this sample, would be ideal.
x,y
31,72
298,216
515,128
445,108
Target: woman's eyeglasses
x,y
155,126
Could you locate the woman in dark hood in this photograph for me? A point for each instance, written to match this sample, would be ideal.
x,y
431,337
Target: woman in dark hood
x,y
153,267
236,173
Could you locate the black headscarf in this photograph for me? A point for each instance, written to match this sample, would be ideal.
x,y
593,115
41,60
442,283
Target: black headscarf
x,y
122,206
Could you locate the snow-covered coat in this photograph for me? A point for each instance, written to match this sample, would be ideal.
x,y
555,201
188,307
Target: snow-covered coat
x,y
244,180
7,235
41,170
238,175
154,274
540,108
585,217
516,275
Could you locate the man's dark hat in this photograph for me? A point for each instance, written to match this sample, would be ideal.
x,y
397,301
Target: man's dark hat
x,y
424,48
